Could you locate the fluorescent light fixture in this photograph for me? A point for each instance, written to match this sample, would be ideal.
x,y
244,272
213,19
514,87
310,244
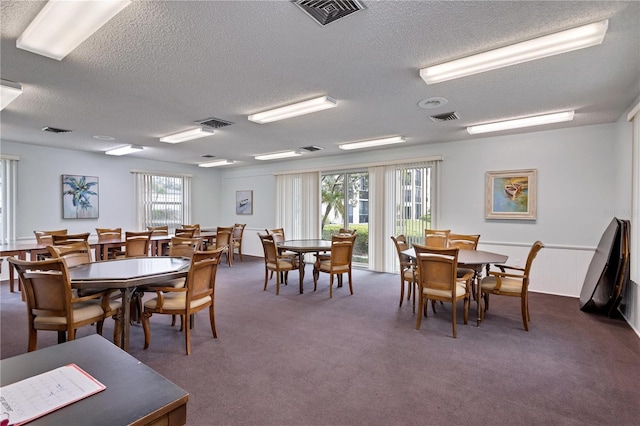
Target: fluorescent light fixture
x,y
8,92
521,122
372,142
216,163
124,150
62,25
293,110
276,155
541,47
187,135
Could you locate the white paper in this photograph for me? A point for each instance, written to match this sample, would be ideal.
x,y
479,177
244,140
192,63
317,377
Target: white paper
x,y
36,396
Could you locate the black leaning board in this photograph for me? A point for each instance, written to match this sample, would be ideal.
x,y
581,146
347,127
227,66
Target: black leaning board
x,y
599,288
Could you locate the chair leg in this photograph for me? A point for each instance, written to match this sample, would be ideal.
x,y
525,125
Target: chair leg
x,y
350,283
146,328
117,330
266,276
453,317
33,339
419,317
466,310
330,286
187,335
277,283
402,290
525,309
212,321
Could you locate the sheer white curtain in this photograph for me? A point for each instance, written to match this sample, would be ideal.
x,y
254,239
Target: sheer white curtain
x,y
161,199
9,184
382,218
298,205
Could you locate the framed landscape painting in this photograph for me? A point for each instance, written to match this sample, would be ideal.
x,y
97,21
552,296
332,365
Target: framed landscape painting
x,y
511,194
244,202
80,197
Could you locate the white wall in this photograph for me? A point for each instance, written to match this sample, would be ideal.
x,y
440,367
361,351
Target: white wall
x,y
40,188
584,175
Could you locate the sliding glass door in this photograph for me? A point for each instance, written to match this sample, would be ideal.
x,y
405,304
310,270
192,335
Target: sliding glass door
x,y
345,204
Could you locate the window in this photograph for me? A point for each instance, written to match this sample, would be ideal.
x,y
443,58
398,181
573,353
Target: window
x,y
162,199
415,206
8,192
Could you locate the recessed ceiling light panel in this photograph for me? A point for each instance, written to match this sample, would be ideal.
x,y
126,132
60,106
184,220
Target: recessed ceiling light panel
x,y
294,110
62,25
124,150
276,155
537,120
372,143
188,135
8,92
537,48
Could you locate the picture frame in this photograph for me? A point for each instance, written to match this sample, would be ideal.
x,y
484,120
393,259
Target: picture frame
x,y
244,202
511,194
80,197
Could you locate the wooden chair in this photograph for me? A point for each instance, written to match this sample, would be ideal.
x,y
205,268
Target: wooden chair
x,y
51,304
466,242
198,294
514,284
436,238
65,239
74,253
407,270
223,241
195,227
106,234
46,237
137,244
238,230
437,280
339,262
158,230
275,262
185,232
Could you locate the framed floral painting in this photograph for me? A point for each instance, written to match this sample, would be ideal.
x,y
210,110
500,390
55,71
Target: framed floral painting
x,y
80,197
511,194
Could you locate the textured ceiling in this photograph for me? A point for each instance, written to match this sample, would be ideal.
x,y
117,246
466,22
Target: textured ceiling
x,y
159,66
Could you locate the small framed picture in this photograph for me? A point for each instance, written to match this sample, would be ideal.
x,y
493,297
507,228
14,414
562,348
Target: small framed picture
x,y
80,197
510,194
244,202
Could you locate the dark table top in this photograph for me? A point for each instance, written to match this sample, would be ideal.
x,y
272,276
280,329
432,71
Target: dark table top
x,y
133,391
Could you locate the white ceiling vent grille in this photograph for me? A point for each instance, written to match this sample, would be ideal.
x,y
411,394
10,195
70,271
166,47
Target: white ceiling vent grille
x,y
215,123
327,11
447,116
312,148
55,130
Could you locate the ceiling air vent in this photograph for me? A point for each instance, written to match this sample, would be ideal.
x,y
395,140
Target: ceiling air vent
x,y
447,116
312,148
215,123
55,130
327,11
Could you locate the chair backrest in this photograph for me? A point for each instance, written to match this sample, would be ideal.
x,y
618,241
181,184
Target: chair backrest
x,y
65,239
159,230
185,233
137,243
223,237
437,268
341,250
44,237
195,227
437,238
533,252
343,231
108,233
74,253
184,247
464,242
201,279
278,234
47,287
401,244
238,230
269,247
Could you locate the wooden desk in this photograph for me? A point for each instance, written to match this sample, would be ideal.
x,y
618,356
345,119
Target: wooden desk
x,y
134,395
476,259
125,275
304,246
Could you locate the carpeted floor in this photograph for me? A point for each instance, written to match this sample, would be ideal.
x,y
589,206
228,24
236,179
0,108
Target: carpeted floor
x,y
309,360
